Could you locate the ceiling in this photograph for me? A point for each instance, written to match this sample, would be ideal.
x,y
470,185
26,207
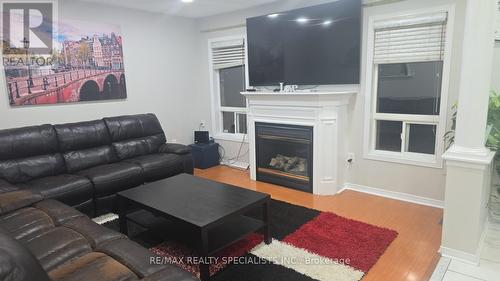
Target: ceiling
x,y
196,9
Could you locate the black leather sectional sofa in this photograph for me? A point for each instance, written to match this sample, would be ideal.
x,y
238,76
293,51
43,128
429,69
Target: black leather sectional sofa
x,y
85,164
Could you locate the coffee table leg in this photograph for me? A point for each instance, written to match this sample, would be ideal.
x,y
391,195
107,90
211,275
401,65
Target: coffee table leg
x,y
267,220
122,215
204,265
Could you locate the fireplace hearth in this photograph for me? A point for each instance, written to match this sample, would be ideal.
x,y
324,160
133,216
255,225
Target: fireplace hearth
x,y
285,155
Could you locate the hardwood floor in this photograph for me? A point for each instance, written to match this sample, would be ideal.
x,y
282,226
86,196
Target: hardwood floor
x,y
412,256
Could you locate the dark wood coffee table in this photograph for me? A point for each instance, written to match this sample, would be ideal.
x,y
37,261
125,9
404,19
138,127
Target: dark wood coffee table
x,y
214,211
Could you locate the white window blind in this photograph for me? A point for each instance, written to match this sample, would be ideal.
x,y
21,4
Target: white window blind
x,y
410,39
228,53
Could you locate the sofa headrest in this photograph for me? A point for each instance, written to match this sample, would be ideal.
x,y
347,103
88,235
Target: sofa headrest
x,y
133,126
27,142
82,135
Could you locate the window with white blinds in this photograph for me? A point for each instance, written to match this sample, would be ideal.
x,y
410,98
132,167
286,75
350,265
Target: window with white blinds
x,y
408,93
414,39
228,53
227,57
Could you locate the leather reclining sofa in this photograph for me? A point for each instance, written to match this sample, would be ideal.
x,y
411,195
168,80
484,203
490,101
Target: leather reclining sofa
x,y
82,165
85,164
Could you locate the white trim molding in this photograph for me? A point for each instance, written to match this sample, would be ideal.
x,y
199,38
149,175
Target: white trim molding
x,y
459,255
239,138
215,106
325,112
469,164
369,82
467,184
473,259
406,197
469,158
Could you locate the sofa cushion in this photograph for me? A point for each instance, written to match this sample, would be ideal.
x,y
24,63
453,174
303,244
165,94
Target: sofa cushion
x,y
139,262
133,126
26,169
112,178
58,212
13,200
26,223
137,147
135,135
28,153
93,266
69,189
159,165
88,158
57,246
28,141
82,135
85,145
94,233
17,263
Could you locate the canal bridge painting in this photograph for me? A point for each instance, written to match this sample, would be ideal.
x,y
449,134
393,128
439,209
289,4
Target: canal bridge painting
x,y
85,64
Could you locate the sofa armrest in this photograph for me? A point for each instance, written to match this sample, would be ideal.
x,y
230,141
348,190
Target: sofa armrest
x,y
175,148
13,200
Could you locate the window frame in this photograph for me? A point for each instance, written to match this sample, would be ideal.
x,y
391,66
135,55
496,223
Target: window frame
x,y
216,107
370,88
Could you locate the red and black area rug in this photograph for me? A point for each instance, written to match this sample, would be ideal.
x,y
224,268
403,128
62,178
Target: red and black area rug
x,y
307,245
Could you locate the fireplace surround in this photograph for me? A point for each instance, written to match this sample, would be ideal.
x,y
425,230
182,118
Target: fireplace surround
x,y
325,113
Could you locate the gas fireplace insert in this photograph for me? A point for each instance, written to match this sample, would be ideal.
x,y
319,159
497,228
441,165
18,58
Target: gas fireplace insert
x,y
285,155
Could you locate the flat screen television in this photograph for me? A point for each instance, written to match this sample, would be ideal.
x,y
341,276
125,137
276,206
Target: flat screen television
x,y
318,45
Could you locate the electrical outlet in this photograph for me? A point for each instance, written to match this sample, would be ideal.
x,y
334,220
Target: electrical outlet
x,y
350,159
203,124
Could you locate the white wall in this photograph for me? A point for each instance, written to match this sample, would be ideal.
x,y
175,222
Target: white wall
x,y
419,181
160,54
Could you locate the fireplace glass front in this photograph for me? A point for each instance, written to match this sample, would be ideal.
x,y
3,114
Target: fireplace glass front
x,y
284,155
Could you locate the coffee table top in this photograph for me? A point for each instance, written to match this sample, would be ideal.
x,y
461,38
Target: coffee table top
x,y
194,200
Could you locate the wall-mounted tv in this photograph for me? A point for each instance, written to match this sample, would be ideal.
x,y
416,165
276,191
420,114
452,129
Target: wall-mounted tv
x,y
318,45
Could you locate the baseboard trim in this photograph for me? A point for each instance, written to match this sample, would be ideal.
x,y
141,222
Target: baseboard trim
x,y
459,255
394,195
464,256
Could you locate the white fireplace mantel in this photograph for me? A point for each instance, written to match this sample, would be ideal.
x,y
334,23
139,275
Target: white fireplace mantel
x,y
326,112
